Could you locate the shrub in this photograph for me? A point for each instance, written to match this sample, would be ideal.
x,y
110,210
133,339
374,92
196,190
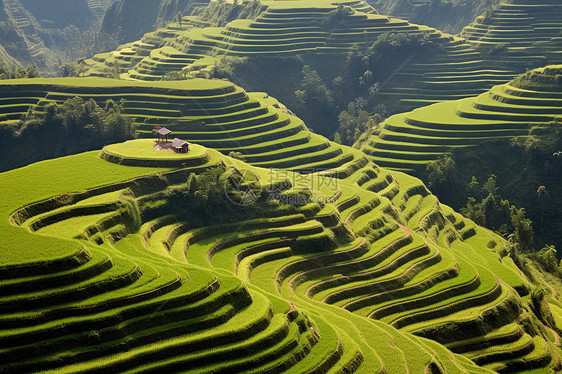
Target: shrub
x,y
337,16
546,257
72,127
498,214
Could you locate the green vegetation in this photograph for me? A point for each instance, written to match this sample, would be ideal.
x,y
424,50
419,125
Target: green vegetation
x,y
497,214
288,30
215,113
526,29
411,140
267,247
470,138
8,72
49,33
183,231
72,127
385,63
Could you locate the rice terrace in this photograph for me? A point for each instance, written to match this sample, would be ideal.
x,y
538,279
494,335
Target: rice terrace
x,y
268,186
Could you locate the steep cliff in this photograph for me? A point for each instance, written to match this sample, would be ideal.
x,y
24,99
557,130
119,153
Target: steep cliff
x,y
447,15
130,19
46,32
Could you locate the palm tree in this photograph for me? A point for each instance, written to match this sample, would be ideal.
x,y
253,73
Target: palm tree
x,y
542,194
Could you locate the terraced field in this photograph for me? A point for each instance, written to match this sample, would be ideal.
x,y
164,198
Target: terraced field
x,y
283,28
409,141
523,34
455,70
517,35
215,114
97,242
528,30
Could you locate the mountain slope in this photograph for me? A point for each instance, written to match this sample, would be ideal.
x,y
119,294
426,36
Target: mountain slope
x,y
409,141
449,16
37,32
453,68
352,237
131,19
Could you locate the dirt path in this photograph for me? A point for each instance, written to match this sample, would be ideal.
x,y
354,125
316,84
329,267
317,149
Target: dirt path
x,y
556,337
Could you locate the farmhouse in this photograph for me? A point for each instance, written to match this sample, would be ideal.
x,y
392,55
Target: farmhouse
x,y
180,146
162,143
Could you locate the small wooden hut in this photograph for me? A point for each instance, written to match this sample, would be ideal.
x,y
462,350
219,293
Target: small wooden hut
x,y
162,134
180,146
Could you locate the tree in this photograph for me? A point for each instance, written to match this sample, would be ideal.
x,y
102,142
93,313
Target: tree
x,y
498,214
69,69
337,138
10,72
71,127
367,77
116,70
542,195
441,174
490,186
522,228
82,64
178,18
312,88
547,258
315,104
474,188
337,16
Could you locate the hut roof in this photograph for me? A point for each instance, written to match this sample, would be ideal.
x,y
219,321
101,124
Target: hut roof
x,y
178,143
163,131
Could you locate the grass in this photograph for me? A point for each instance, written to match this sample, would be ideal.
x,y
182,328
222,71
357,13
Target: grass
x,y
334,347
286,28
412,140
78,173
218,115
253,295
89,84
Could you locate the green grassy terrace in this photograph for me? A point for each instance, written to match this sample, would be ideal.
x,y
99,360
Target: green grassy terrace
x,y
410,140
212,113
284,28
510,38
521,34
124,285
526,29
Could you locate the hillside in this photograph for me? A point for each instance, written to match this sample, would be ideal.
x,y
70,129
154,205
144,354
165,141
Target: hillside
x,y
396,64
408,141
449,16
295,34
527,107
526,29
39,32
507,40
130,19
225,118
283,28
268,264
230,235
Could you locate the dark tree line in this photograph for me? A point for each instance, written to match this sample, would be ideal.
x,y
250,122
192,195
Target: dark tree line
x,y
10,72
72,127
526,172
334,97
